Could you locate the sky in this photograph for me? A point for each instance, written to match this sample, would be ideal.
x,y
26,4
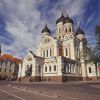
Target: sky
x,y
21,21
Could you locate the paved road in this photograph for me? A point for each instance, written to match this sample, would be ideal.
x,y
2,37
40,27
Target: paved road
x,y
49,91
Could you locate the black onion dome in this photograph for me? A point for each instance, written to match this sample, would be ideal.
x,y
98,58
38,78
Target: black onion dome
x,y
46,29
68,20
79,31
61,19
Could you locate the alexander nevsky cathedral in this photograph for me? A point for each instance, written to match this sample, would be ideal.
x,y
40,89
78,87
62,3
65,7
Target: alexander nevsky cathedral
x,y
64,56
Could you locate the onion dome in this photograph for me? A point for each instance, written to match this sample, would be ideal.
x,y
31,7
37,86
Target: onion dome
x,y
46,29
61,19
68,20
79,31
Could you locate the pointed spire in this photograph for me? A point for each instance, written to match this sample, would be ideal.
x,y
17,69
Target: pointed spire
x,y
67,16
62,14
61,19
78,23
46,29
68,19
67,13
45,25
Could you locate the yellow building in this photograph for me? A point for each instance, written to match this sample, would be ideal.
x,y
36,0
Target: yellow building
x,y
9,67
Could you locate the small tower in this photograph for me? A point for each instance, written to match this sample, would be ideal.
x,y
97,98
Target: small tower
x,y
60,25
45,31
80,36
80,33
68,25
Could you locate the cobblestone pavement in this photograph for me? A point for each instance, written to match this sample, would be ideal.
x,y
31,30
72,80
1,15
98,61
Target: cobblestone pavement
x,y
49,91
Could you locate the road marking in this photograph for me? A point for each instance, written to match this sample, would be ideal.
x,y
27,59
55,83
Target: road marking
x,y
41,93
71,98
12,94
15,91
34,92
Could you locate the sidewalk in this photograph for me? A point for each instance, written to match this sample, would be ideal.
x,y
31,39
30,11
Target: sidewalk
x,y
71,82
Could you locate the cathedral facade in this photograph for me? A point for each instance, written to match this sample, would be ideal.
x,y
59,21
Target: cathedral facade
x,y
64,56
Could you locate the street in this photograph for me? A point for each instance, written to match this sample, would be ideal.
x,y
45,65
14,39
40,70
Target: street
x,y
49,91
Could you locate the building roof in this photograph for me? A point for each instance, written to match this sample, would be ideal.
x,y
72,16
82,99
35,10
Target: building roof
x,y
10,58
61,19
97,30
46,29
64,19
35,55
79,31
68,20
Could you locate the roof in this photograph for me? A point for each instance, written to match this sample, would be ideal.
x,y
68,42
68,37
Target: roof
x,y
35,55
68,20
97,30
79,31
46,29
61,19
64,19
10,58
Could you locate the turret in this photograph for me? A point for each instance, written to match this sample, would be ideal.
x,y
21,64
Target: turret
x,y
45,31
68,25
60,22
80,34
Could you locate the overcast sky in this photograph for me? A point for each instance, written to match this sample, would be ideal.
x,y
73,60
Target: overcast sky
x,y
21,21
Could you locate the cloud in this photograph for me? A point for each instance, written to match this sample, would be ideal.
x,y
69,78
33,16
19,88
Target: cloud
x,y
21,19
24,20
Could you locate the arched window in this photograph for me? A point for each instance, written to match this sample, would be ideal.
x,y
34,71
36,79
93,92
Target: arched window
x,y
5,69
28,71
66,52
50,52
47,53
43,53
59,30
50,68
66,30
0,69
45,68
90,71
69,29
54,67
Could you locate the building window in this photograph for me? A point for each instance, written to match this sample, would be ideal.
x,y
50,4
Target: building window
x,y
90,70
54,67
59,30
27,66
0,69
66,30
45,68
5,69
50,68
28,71
69,29
47,53
66,52
43,53
50,52
10,70
1,63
